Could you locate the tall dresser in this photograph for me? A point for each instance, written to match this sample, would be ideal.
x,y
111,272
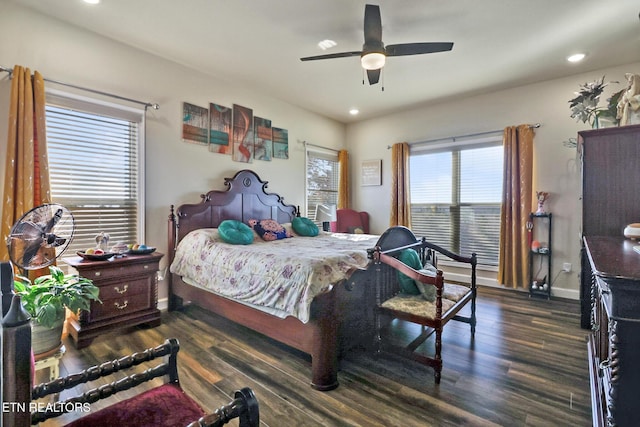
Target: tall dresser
x,y
614,345
610,162
610,271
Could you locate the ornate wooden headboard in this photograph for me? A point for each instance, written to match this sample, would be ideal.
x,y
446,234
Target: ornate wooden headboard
x,y
245,198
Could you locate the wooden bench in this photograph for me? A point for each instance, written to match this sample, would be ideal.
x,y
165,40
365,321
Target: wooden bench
x,y
391,304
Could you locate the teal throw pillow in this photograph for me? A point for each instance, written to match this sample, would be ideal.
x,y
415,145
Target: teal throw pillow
x,y
235,232
304,226
411,259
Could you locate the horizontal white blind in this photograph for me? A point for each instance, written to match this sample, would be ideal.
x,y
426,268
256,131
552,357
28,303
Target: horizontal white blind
x,y
93,166
322,181
456,197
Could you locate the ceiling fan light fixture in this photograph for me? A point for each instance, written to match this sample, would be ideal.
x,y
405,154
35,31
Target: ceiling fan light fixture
x,y
372,60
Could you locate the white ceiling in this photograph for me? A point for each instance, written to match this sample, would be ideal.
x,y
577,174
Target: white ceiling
x,y
498,44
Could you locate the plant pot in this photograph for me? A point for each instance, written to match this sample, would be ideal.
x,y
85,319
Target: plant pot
x,y
44,339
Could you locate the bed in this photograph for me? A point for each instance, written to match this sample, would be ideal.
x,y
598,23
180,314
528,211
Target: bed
x,y
335,316
338,310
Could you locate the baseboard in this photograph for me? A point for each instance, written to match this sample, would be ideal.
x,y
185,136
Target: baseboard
x,y
163,304
573,294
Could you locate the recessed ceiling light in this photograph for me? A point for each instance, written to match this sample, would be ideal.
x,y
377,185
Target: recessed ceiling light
x,y
92,1
354,111
327,44
576,57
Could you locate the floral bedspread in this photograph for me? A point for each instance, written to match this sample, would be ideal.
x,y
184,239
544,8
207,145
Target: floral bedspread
x,y
284,275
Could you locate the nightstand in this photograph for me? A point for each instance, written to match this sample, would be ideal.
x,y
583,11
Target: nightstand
x,y
128,291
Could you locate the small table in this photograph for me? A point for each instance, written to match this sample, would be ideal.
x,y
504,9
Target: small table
x,y
128,291
51,360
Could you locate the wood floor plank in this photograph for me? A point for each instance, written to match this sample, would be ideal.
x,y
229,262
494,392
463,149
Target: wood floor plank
x,y
526,366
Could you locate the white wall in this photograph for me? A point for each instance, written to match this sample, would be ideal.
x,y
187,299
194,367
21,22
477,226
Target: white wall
x,y
176,172
556,167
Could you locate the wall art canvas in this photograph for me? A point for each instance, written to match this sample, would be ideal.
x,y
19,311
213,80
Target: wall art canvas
x,y
242,134
280,143
195,124
263,146
219,129
371,172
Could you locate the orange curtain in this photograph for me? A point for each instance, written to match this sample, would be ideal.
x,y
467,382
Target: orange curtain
x,y
400,202
26,180
344,195
513,267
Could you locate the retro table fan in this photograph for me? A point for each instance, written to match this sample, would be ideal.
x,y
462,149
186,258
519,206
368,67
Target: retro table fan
x,y
40,236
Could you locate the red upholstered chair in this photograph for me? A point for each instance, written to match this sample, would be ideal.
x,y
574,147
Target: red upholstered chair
x,y
351,221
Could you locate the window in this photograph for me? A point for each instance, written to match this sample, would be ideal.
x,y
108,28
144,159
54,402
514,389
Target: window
x,y
94,150
322,180
456,194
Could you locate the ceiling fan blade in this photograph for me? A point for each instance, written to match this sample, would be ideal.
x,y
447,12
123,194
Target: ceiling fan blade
x,y
417,48
332,55
372,25
373,76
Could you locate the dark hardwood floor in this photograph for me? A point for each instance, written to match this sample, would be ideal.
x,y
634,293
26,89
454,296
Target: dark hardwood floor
x,y
526,367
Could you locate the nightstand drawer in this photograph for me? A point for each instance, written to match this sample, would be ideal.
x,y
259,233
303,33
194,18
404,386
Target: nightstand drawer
x,y
116,272
125,288
119,307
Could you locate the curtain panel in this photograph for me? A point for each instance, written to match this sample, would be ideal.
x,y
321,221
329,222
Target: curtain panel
x,y
26,181
344,194
400,200
513,266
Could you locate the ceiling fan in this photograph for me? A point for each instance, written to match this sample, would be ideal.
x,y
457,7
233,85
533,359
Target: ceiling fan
x,y
374,52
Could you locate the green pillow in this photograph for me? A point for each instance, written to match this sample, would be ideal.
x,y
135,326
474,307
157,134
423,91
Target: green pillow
x,y
235,232
411,259
304,226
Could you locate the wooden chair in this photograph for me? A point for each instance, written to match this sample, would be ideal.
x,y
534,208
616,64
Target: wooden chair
x,y
432,316
164,405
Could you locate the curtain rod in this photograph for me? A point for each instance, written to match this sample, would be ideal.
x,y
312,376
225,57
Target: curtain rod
x,y
453,138
146,104
318,146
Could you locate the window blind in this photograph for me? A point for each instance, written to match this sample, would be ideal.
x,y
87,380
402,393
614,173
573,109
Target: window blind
x,y
322,181
456,196
94,170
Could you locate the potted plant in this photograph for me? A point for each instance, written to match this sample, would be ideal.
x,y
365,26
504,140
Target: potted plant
x,y
46,300
584,107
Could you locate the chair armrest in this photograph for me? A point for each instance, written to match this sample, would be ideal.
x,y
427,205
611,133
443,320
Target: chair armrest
x,y
437,281
244,406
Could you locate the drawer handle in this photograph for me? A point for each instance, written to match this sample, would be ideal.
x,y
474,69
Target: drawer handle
x,y
121,307
98,274
121,291
146,267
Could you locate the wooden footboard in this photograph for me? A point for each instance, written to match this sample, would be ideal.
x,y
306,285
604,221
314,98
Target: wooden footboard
x,y
318,337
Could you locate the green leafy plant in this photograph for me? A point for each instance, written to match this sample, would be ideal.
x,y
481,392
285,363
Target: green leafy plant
x,y
47,297
584,107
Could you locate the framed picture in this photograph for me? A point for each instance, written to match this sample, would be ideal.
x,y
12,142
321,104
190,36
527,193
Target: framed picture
x,y
195,124
280,143
242,134
372,172
219,129
263,143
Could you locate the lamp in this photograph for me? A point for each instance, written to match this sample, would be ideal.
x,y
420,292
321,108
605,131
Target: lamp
x,y
326,214
372,60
